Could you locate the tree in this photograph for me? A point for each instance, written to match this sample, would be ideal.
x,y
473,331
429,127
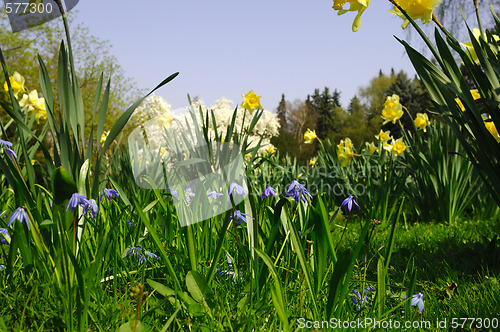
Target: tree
x,y
281,111
92,57
355,124
326,107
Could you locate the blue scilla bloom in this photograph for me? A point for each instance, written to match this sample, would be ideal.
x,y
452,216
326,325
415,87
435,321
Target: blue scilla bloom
x,y
174,193
268,192
75,200
92,206
189,193
137,253
2,267
7,146
21,215
237,189
239,217
151,255
214,195
297,191
4,237
110,193
362,301
349,201
418,299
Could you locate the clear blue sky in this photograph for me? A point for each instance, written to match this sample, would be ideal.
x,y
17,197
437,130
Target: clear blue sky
x,y
227,47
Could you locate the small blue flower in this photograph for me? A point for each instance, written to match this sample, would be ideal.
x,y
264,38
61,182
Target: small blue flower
x,y
239,217
92,205
2,267
5,143
174,193
362,301
214,195
418,299
237,189
21,215
7,146
268,192
151,255
349,200
137,252
230,271
4,237
189,194
110,193
297,191
75,200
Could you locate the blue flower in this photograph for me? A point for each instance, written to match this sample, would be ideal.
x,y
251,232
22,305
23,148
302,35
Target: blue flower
x,y
4,237
214,194
75,200
239,217
137,252
7,146
110,193
362,301
268,192
5,143
189,194
174,193
297,191
231,271
418,299
21,215
349,200
2,267
92,205
151,255
236,188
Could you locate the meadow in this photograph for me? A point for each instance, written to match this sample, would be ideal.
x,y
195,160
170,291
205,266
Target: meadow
x,y
103,232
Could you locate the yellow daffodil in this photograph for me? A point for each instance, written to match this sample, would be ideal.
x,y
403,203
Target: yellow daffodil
x,y
475,94
470,48
104,136
34,104
17,83
383,136
416,9
354,6
345,151
393,110
370,147
251,101
164,121
396,147
421,121
345,155
310,136
270,150
312,161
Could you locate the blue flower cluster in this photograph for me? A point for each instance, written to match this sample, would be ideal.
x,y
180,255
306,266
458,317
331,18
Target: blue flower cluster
x,y
140,255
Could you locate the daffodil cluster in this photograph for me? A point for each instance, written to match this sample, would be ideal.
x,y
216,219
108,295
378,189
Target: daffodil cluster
x,y
345,151
31,99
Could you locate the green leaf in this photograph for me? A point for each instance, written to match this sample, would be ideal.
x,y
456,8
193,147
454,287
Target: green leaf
x,y
63,185
198,287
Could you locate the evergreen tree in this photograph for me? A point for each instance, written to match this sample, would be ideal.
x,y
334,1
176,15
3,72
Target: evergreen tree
x,y
281,111
324,106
